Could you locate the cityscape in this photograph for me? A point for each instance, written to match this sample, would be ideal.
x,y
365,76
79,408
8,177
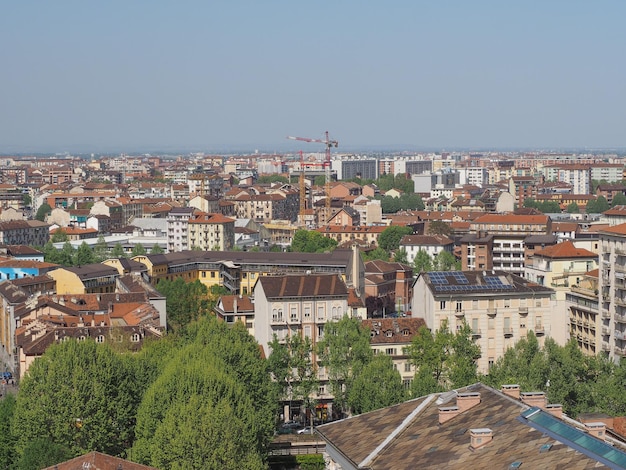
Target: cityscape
x,y
330,236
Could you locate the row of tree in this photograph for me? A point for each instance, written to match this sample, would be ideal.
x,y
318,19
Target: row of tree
x,y
85,254
201,399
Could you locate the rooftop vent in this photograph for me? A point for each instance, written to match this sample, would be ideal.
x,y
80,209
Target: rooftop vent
x,y
537,399
555,409
511,390
596,429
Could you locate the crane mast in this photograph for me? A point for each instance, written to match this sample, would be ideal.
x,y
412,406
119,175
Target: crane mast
x,y
329,144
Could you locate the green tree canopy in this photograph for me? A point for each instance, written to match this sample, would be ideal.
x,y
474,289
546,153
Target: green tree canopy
x,y
156,249
573,208
59,236
422,262
377,253
344,350
401,256
138,250
438,227
118,251
100,250
618,200
7,440
79,395
269,179
389,239
84,255
43,211
186,301
378,385
597,206
446,261
310,241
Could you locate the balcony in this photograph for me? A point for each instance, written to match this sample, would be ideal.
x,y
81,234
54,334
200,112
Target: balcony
x,y
619,351
605,314
476,332
620,335
459,313
606,331
278,320
606,346
620,317
523,311
539,330
508,331
492,311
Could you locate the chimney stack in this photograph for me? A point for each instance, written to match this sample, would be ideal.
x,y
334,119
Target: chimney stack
x,y
534,399
555,409
479,437
464,401
596,429
511,390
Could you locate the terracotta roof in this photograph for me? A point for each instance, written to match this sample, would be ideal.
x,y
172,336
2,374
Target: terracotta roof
x,y
593,273
309,285
616,229
244,304
565,250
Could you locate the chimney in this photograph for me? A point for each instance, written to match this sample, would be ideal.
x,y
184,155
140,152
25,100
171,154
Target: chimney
x,y
534,399
596,429
464,401
511,390
479,437
555,409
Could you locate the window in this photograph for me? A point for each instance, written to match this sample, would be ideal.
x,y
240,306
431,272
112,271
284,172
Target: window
x,y
491,323
390,351
491,362
407,367
307,311
320,331
320,312
307,331
213,274
99,339
442,305
293,314
474,304
135,338
459,306
507,303
406,383
203,273
321,390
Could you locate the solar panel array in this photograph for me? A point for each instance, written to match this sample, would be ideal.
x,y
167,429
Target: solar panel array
x,y
441,282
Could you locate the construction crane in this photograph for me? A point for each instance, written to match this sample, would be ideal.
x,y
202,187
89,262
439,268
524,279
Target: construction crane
x,y
329,144
302,190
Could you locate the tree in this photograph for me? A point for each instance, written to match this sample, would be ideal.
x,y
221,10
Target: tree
x,y
463,363
79,395
43,452
573,208
138,250
377,253
549,207
597,206
51,254
344,350
390,238
437,227
66,255
422,262
118,251
7,440
84,255
59,236
295,373
446,261
269,179
400,256
27,200
156,249
378,385
390,205
618,200
186,301
310,241
100,250
213,406
43,211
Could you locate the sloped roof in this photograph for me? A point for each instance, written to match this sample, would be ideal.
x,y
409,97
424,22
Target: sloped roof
x,y
565,250
426,240
308,285
409,436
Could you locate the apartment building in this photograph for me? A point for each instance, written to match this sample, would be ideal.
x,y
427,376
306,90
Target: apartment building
x,y
87,279
585,323
24,232
431,244
178,228
500,308
211,232
612,290
388,287
496,241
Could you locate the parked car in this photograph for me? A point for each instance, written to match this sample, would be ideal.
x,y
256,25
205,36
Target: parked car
x,y
306,430
7,375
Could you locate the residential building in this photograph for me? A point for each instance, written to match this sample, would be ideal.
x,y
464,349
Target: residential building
x,y
178,228
499,307
392,336
236,308
585,323
211,232
388,288
612,290
24,232
431,244
87,279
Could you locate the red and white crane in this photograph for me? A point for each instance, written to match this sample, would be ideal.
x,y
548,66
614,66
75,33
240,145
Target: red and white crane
x,y
329,144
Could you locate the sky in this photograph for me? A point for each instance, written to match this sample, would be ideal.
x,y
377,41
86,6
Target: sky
x,y
148,75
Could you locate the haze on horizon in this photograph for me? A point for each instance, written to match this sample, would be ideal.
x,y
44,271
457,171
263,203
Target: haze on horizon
x,y
95,77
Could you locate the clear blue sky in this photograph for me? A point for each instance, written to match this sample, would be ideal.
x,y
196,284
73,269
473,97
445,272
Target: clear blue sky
x,y
207,75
